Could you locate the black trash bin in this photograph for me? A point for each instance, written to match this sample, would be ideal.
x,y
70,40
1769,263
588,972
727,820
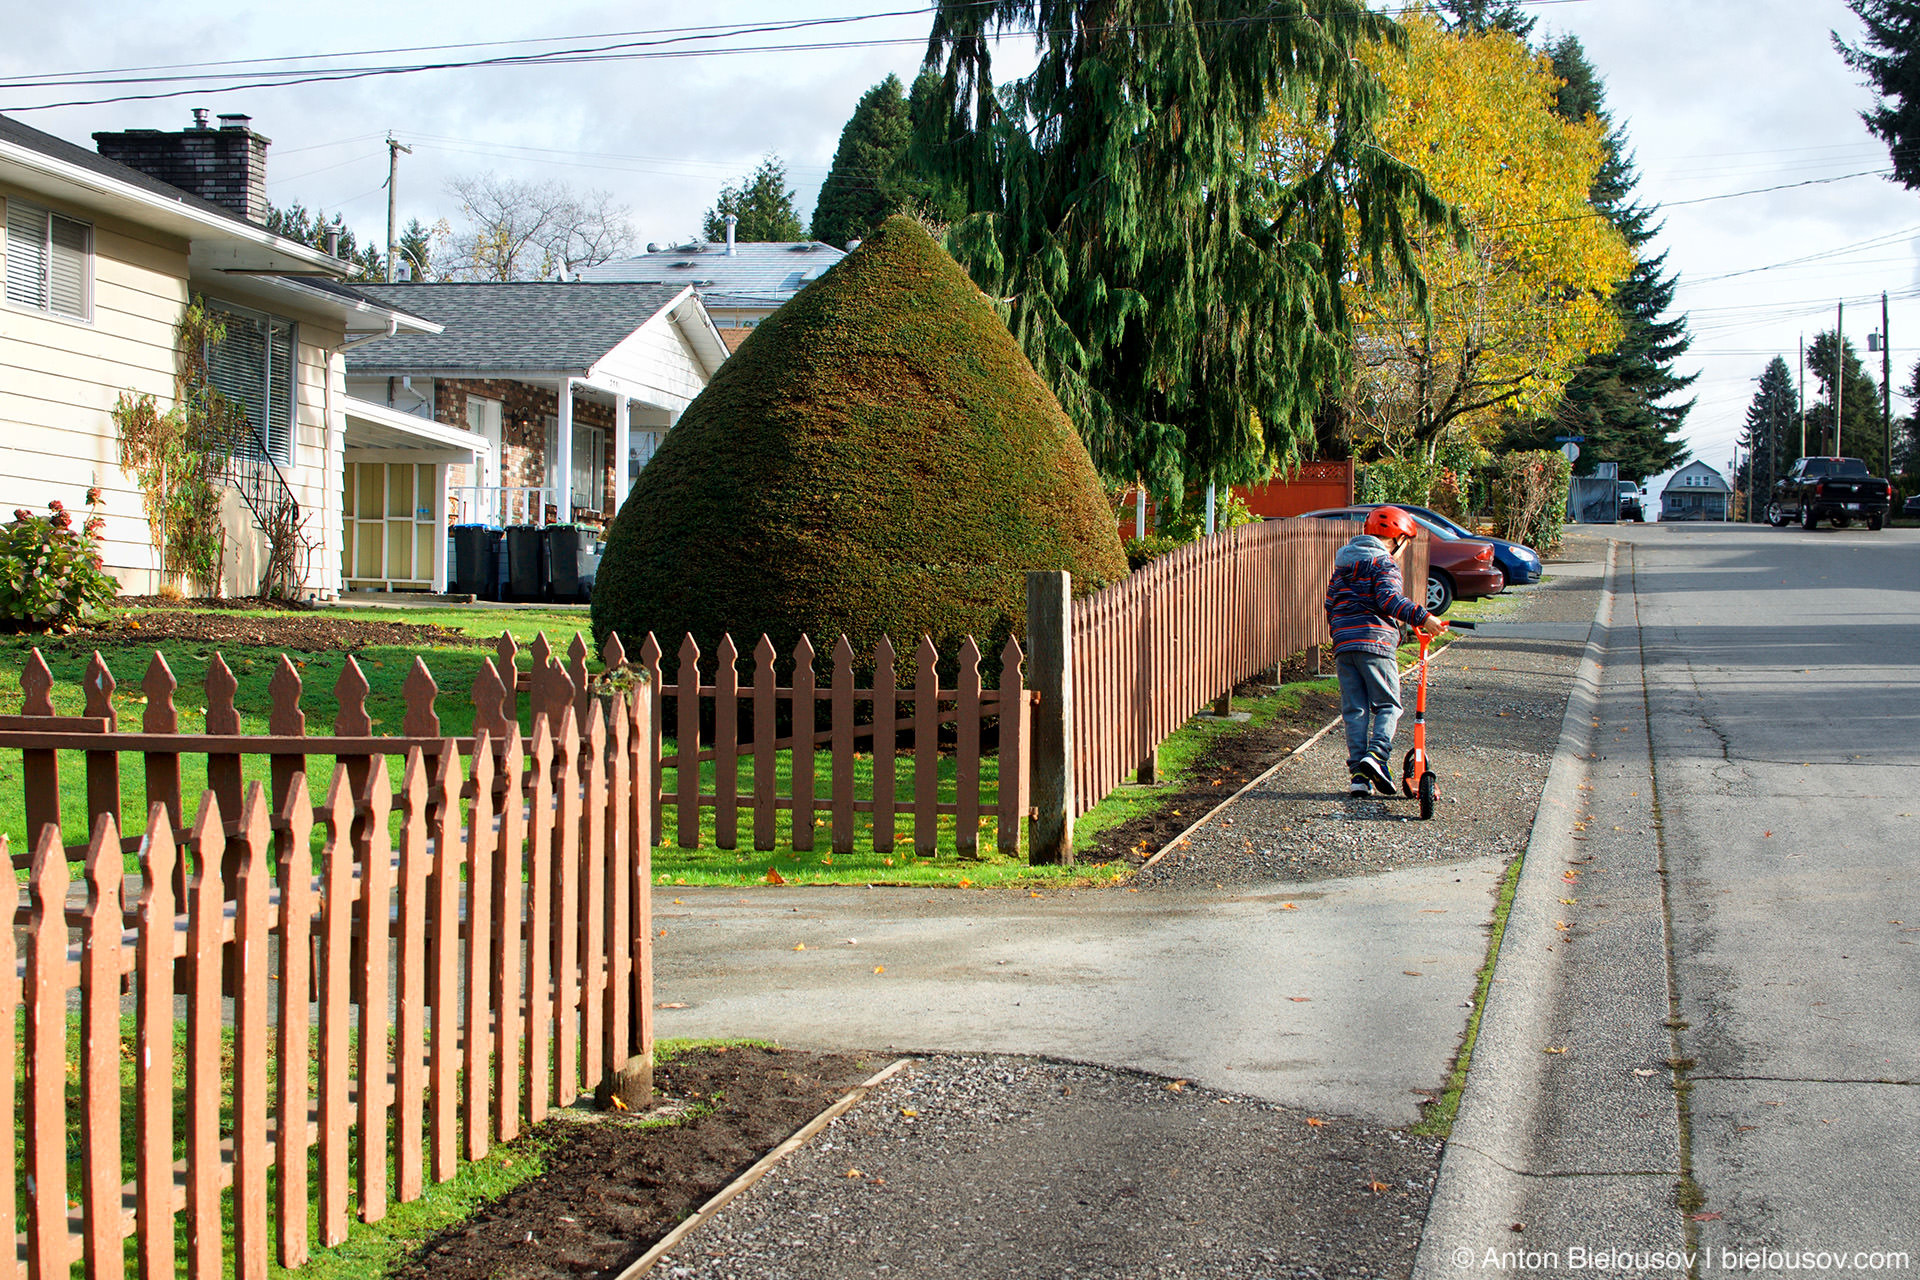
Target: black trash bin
x,y
475,548
566,550
526,563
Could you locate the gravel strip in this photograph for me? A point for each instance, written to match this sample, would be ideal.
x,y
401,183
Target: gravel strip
x,y
1494,706
969,1166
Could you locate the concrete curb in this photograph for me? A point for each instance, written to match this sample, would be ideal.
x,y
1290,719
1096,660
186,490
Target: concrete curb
x,y
760,1168
1503,1099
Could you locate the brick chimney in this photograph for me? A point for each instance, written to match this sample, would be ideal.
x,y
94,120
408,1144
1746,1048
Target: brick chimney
x,y
227,165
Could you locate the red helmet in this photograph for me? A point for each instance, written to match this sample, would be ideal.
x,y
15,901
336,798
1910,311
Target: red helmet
x,y
1389,522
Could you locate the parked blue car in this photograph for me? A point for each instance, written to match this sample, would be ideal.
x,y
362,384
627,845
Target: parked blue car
x,y
1520,563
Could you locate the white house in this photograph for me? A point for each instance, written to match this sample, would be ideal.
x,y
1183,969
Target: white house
x,y
101,257
1695,492
741,282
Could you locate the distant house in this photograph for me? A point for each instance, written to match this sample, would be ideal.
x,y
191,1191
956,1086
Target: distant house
x,y
1695,492
741,283
102,252
553,382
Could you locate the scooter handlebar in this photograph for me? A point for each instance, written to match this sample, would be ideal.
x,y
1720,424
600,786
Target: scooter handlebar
x,y
1463,626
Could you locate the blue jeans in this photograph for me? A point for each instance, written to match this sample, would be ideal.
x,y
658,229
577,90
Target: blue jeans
x,y
1369,703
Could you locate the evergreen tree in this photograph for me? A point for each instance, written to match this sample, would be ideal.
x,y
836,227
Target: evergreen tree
x,y
862,188
1180,304
416,248
1771,436
763,204
1478,16
1890,61
311,227
1619,401
1906,439
1862,431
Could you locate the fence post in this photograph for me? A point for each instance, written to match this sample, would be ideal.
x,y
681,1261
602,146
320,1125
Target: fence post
x,y
1050,670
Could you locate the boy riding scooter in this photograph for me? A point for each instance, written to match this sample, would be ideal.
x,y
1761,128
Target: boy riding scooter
x,y
1365,605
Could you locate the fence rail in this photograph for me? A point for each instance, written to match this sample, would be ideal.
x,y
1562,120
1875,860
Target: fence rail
x,y
450,959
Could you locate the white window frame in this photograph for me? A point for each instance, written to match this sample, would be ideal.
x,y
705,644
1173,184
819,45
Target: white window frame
x,y
226,311
10,208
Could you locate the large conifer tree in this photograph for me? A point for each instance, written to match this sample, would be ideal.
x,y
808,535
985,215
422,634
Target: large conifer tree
x,y
1863,432
1890,60
1620,400
1477,16
1772,436
858,193
1178,303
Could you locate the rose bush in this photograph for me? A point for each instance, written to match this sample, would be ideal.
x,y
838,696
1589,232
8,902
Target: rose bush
x,y
51,574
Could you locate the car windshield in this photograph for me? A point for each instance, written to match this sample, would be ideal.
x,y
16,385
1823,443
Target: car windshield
x,y
1815,467
1431,518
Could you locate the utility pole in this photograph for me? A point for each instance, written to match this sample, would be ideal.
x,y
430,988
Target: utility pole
x,y
1839,370
1886,382
1803,395
394,148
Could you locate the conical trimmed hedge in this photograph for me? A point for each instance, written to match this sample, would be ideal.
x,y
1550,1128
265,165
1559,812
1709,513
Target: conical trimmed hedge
x,y
878,458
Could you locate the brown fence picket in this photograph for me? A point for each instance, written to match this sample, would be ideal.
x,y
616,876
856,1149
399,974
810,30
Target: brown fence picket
x,y
726,743
886,739
765,779
687,739
448,873
45,1055
650,664
926,749
410,1033
1011,808
253,927
803,733
618,997
103,767
566,897
203,1047
10,1004
292,1141
482,970
337,975
100,1052
539,1017
376,897
39,770
967,753
591,832
841,714
509,988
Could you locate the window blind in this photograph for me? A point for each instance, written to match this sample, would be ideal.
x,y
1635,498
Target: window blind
x,y
26,255
253,367
47,261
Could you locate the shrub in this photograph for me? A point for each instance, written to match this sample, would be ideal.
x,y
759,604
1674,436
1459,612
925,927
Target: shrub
x,y
1530,498
878,458
50,574
1142,551
1396,480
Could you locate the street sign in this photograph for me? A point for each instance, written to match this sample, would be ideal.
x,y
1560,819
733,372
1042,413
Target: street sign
x,y
1572,451
1569,439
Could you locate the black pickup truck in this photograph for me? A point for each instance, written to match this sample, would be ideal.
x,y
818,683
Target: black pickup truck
x,y
1836,489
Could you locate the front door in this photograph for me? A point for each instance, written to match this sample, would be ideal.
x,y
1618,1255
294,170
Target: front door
x,y
484,419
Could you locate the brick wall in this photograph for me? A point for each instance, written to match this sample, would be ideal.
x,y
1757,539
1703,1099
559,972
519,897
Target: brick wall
x,y
524,409
227,165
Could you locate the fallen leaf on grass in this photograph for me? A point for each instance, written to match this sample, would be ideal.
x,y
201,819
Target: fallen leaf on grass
x,y
1178,1086
1411,973
774,877
799,946
619,1103
1288,906
855,1173
1300,999
879,968
1315,1121
1555,1049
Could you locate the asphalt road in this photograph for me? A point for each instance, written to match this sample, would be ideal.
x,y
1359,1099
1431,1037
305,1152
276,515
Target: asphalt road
x,y
1783,688
1702,1052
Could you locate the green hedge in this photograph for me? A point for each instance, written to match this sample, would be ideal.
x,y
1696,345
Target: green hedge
x,y
877,458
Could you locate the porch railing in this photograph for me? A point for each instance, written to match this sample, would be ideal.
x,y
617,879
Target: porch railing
x,y
500,505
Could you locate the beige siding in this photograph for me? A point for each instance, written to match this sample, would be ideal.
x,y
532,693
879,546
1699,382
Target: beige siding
x,y
659,360
59,379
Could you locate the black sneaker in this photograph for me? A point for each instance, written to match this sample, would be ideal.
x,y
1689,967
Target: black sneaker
x,y
1375,771
1358,784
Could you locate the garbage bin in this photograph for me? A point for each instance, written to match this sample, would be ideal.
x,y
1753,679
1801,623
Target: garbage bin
x,y
473,560
526,563
566,548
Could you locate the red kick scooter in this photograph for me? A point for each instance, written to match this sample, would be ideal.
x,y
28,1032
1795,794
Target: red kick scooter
x,y
1416,776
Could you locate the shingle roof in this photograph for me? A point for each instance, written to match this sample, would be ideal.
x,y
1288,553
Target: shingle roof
x,y
60,149
500,328
756,274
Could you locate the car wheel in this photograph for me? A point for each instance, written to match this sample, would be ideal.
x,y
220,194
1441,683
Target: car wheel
x,y
1807,519
1875,523
1439,592
1775,516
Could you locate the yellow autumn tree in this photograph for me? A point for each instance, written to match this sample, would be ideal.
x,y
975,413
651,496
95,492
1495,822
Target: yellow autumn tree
x,y
1518,304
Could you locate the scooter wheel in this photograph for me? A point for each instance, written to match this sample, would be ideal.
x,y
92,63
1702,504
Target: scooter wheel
x,y
1409,766
1427,790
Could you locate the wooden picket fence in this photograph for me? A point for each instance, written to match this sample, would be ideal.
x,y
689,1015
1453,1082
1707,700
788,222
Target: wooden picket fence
x,y
449,961
1157,646
859,718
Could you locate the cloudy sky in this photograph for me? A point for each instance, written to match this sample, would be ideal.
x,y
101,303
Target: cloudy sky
x,y
1744,121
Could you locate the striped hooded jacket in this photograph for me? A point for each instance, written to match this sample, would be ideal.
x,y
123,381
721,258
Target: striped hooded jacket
x,y
1365,599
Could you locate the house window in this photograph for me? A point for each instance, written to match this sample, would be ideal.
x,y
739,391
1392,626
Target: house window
x,y
49,262
589,446
252,365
